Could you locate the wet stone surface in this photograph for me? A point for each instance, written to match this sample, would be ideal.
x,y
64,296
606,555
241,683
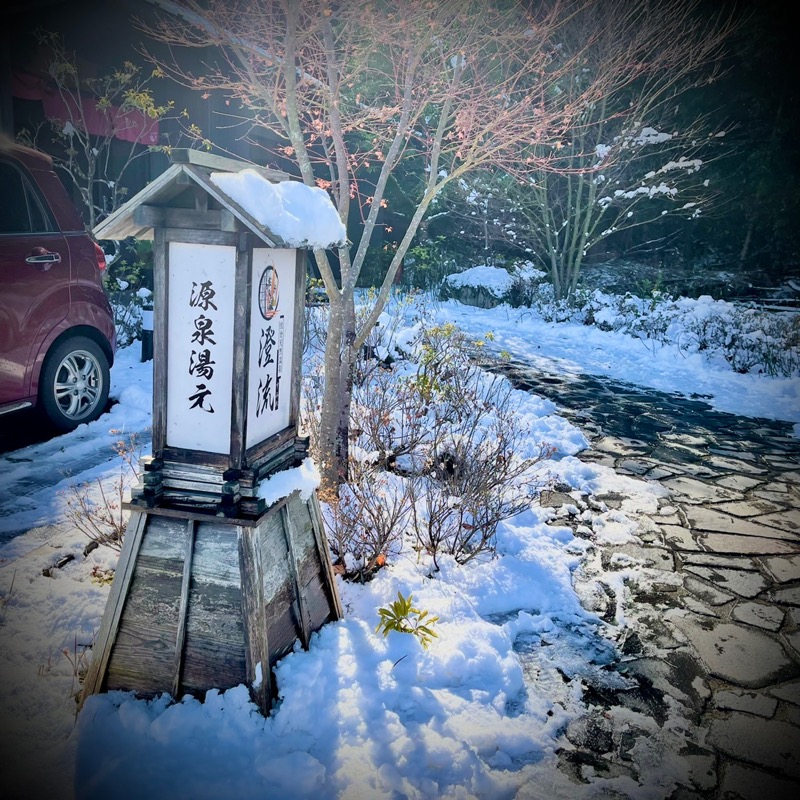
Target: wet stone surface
x,y
713,590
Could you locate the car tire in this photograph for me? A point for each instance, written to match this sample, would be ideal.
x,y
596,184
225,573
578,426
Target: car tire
x,y
74,383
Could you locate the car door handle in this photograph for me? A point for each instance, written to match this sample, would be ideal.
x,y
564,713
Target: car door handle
x,y
43,257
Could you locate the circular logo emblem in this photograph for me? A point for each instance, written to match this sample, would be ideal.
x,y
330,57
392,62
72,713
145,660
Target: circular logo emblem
x,y
268,293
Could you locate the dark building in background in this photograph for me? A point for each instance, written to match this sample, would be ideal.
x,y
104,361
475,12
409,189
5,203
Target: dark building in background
x,y
103,35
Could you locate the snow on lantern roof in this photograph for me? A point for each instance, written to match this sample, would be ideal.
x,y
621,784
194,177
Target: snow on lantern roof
x,y
302,216
202,190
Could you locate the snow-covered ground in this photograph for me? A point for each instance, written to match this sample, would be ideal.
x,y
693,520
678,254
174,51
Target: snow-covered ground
x,y
572,347
359,716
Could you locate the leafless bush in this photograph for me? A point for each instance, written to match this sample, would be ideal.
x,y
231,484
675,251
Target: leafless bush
x,y
438,453
78,657
389,417
473,478
367,521
102,517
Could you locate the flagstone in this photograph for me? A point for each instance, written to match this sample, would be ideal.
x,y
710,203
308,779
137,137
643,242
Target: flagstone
x,y
759,614
783,568
786,520
696,491
618,446
660,558
771,743
634,467
744,508
739,482
735,465
685,439
745,545
693,604
713,560
659,472
793,640
707,519
787,594
751,702
790,692
741,655
710,594
728,453
741,781
679,537
745,584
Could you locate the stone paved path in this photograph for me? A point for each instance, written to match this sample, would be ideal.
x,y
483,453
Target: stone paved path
x,y
721,604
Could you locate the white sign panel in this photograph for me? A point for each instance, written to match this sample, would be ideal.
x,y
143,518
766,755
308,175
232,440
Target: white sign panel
x,y
200,346
271,340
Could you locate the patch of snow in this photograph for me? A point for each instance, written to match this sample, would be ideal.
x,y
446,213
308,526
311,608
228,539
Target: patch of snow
x,y
495,280
303,216
304,479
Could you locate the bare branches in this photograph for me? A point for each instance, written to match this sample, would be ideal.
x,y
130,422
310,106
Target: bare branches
x,y
444,88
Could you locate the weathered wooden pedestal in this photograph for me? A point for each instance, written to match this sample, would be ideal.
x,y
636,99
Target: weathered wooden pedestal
x,y
201,602
213,586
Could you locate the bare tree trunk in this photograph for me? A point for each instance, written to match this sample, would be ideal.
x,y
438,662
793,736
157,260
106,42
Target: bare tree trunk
x,y
340,357
745,251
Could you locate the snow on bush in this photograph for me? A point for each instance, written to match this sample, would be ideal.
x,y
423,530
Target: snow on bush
x,y
441,451
747,338
494,280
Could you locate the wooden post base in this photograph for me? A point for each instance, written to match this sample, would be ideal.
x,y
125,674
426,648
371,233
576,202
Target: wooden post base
x,y
201,602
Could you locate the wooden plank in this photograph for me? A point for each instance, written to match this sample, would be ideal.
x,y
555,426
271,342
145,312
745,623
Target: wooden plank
x,y
264,451
274,556
182,155
302,525
198,236
214,488
301,258
215,634
160,341
319,606
282,632
201,459
215,219
317,525
194,513
280,594
119,224
255,622
106,637
184,606
241,351
294,571
211,473
143,656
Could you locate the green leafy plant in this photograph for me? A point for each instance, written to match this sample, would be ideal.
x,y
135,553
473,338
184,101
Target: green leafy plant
x,y
401,616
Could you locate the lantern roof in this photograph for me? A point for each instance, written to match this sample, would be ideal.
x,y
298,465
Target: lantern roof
x,y
200,190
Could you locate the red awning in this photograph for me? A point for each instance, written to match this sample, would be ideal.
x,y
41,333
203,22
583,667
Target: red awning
x,y
130,126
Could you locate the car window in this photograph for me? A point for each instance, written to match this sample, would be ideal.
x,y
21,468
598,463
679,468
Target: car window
x,y
20,209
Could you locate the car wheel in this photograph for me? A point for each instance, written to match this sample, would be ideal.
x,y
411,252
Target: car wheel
x,y
74,384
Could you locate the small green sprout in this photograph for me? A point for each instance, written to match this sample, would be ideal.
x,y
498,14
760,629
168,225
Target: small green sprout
x,y
401,616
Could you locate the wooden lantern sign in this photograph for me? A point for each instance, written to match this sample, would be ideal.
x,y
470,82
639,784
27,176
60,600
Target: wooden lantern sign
x,y
225,564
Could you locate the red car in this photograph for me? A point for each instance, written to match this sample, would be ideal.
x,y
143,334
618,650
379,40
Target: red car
x,y
57,334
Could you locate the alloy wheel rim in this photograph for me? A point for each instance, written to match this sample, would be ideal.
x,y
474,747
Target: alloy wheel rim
x,y
78,385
